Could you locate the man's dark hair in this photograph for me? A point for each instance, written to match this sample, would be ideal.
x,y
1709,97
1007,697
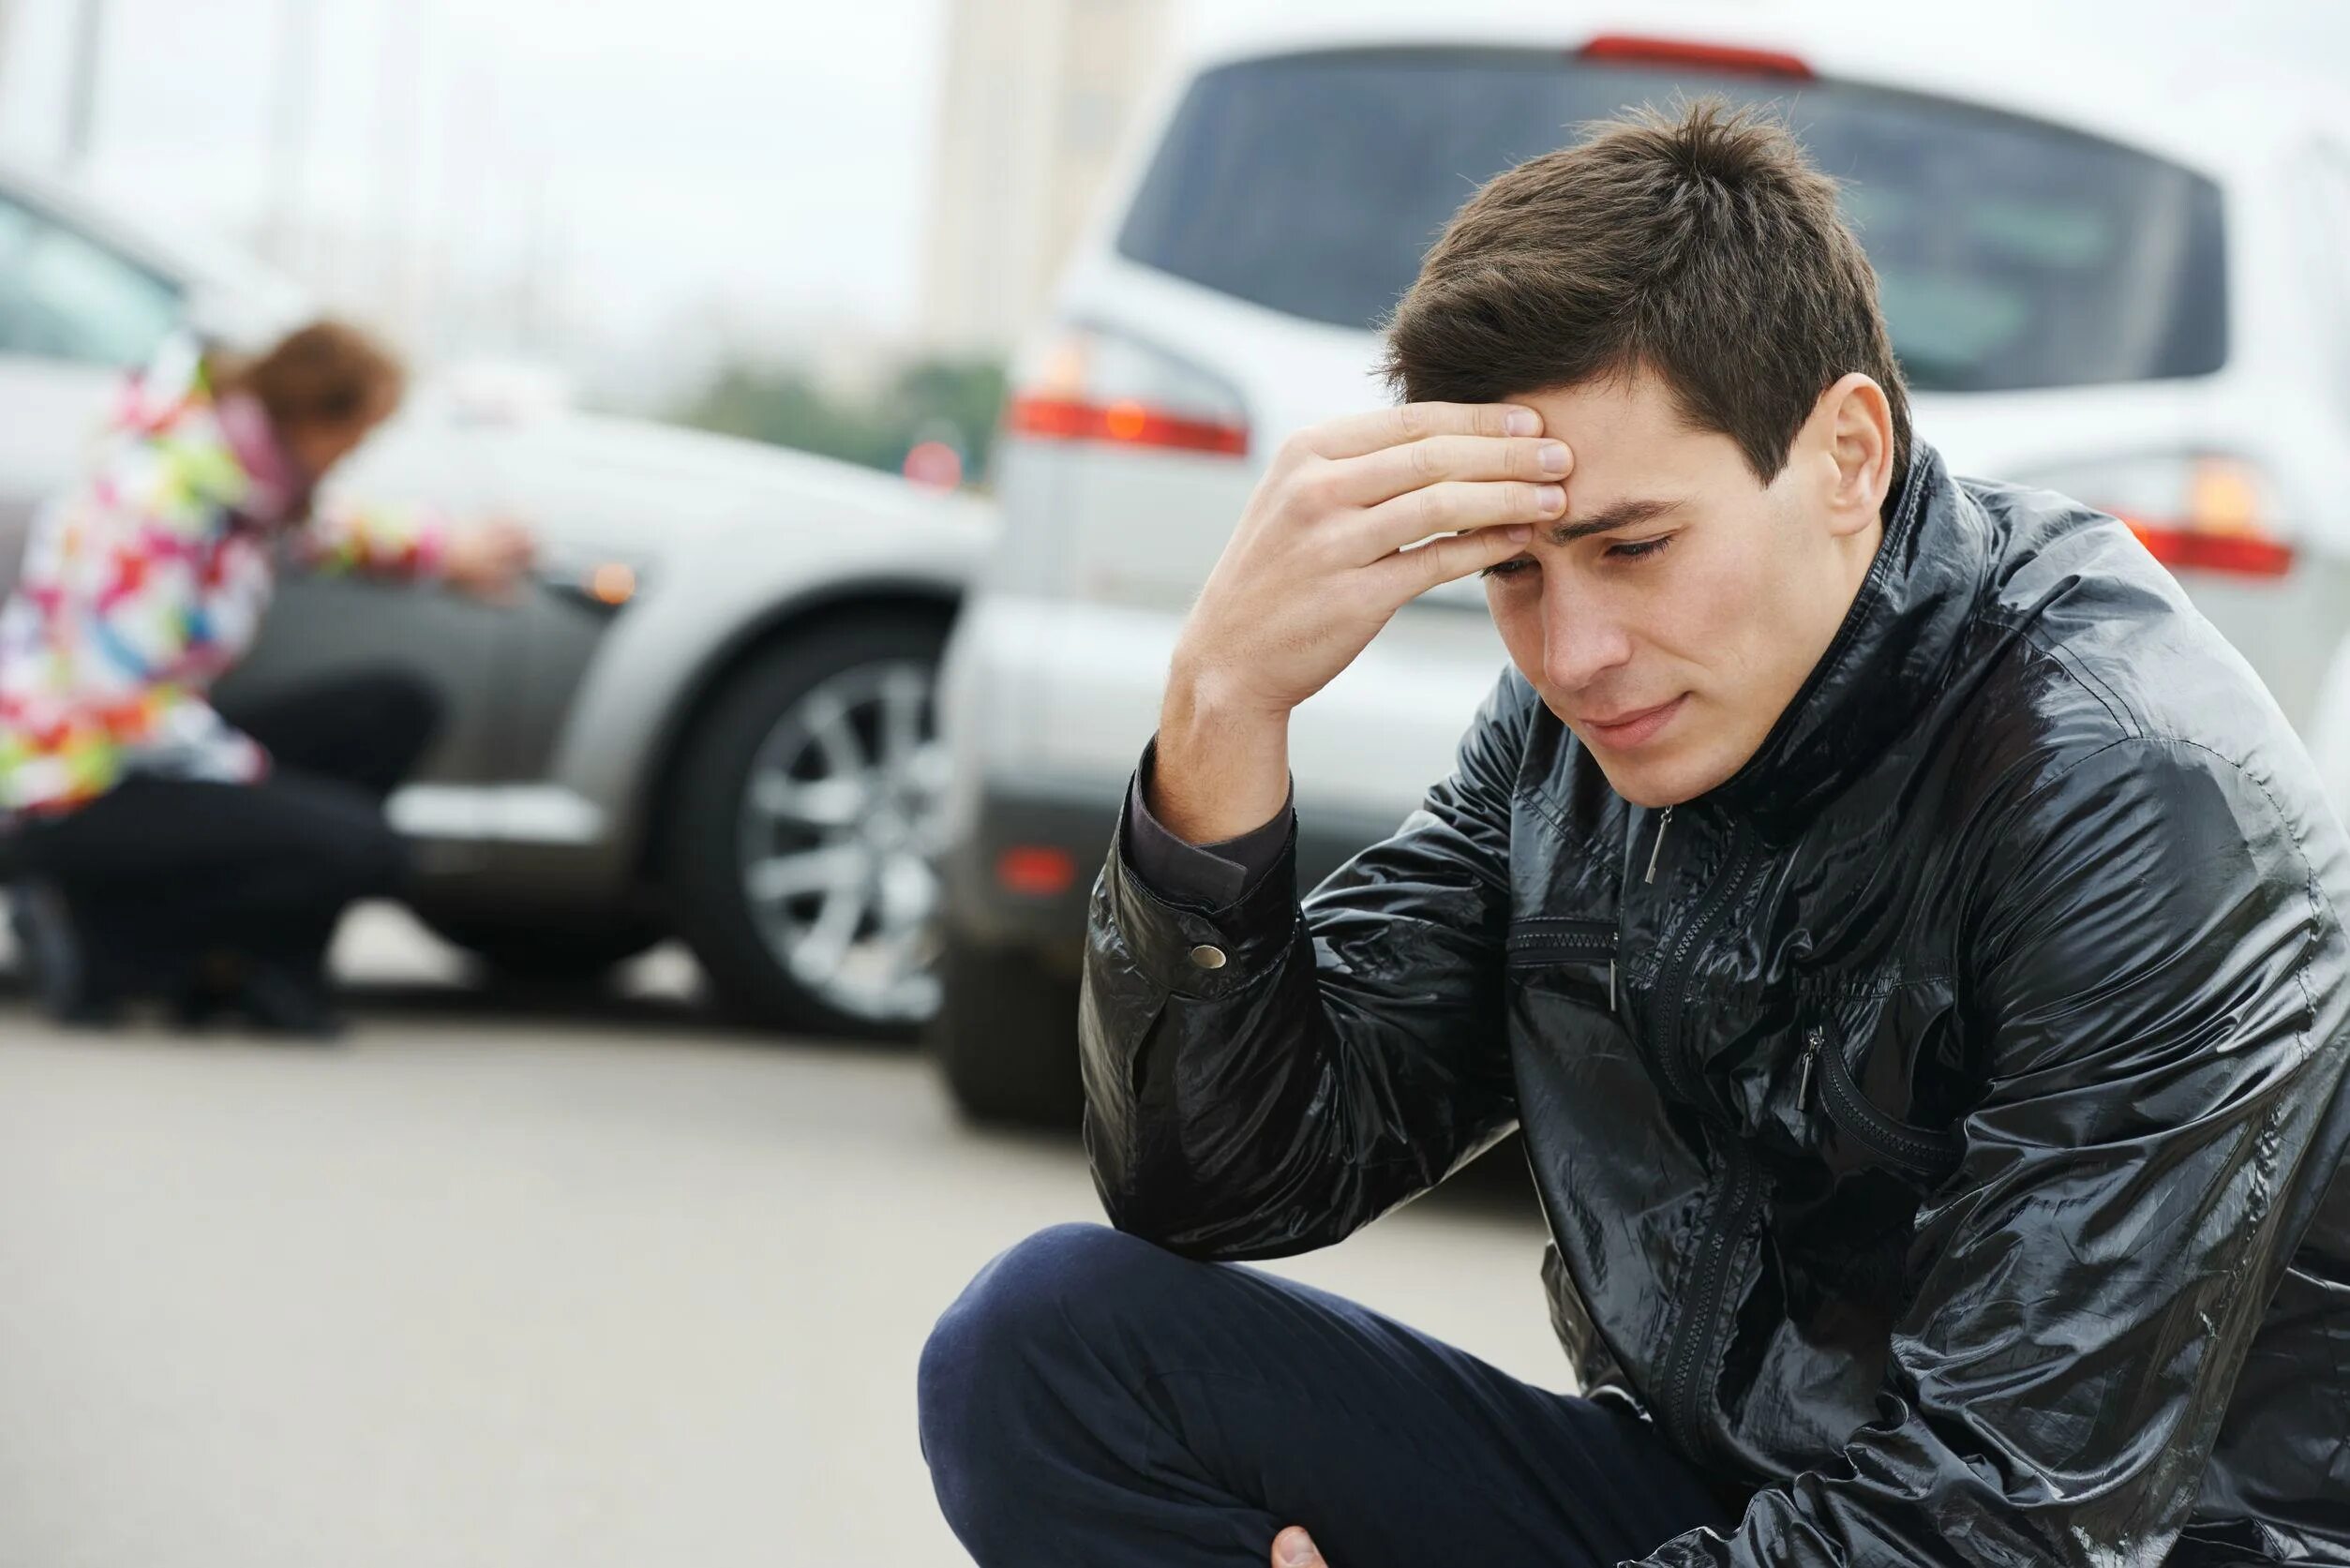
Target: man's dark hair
x,y
1700,245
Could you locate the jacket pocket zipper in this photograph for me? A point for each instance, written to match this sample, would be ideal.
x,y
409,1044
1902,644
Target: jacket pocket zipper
x,y
1543,939
1918,1149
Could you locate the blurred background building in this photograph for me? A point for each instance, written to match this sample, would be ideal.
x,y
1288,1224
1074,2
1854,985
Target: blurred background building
x,y
1035,97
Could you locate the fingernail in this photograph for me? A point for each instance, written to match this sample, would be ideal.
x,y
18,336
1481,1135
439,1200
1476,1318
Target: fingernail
x,y
1522,422
1296,1547
1552,498
1554,457
1519,532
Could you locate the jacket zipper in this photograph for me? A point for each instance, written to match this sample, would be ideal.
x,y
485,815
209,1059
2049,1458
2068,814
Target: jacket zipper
x,y
1679,1076
1929,1154
1662,822
1691,1349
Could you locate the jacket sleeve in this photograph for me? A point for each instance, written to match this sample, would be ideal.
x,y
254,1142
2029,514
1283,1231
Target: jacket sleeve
x,y
137,572
347,535
1263,1079
2150,974
1208,875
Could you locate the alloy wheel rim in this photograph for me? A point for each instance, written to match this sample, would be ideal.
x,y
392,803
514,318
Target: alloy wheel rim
x,y
840,826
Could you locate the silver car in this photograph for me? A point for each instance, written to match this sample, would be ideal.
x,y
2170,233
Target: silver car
x,y
714,717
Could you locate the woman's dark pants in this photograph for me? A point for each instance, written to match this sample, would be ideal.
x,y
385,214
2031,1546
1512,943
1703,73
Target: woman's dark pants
x,y
159,874
1093,1399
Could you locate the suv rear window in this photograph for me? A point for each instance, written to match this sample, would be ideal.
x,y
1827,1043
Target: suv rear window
x,y
2011,253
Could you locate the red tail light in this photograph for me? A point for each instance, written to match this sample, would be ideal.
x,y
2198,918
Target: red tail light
x,y
1086,385
2195,512
2222,525
1036,870
1628,49
2213,552
1134,424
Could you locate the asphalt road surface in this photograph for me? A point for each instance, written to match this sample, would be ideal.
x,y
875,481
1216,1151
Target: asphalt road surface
x,y
517,1280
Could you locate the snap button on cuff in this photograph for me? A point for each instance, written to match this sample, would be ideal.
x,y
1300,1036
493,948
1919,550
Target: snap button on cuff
x,y
1208,956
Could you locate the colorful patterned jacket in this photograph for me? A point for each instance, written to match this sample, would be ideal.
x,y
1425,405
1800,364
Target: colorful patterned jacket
x,y
146,580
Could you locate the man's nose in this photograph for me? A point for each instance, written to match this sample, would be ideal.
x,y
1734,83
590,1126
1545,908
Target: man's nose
x,y
1580,641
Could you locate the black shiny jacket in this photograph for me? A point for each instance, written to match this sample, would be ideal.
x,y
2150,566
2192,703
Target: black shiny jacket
x,y
1941,1124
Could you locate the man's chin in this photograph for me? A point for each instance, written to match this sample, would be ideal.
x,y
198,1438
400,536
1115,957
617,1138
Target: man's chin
x,y
1643,791
1657,782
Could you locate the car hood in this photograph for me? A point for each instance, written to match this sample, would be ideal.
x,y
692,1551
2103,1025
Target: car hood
x,y
713,474
644,492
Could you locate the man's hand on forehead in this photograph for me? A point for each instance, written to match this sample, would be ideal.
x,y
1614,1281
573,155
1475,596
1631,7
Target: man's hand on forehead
x,y
1464,466
1353,519
1380,430
1323,555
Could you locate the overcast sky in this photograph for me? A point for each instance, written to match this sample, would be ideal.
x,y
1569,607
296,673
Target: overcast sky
x,y
744,159
660,156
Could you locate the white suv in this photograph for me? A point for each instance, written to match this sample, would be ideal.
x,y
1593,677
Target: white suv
x,y
2143,305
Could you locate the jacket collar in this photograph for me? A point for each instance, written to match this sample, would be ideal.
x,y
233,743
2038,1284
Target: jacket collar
x,y
1890,657
273,490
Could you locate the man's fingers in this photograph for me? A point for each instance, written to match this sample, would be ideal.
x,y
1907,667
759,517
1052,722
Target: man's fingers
x,y
1356,434
1395,470
1450,507
1412,573
1294,1549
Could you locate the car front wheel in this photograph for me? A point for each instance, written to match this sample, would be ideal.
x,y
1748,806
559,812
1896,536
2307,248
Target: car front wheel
x,y
802,838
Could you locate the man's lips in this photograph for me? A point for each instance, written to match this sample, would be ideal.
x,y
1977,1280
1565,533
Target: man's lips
x,y
1632,725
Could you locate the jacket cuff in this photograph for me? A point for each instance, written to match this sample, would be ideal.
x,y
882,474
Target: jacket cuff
x,y
1202,950
1209,876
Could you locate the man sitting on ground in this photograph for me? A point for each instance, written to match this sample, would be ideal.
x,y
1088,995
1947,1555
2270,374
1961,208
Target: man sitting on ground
x,y
1908,937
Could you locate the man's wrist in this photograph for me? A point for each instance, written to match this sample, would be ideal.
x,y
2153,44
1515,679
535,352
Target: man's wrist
x,y
1222,765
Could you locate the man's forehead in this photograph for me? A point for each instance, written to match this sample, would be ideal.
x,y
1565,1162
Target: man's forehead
x,y
1638,461
1629,450
1631,407
1624,451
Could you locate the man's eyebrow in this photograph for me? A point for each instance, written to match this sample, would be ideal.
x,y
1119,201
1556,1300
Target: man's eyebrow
x,y
1624,513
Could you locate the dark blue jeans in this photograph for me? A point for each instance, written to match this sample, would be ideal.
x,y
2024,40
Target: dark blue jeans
x,y
1093,1399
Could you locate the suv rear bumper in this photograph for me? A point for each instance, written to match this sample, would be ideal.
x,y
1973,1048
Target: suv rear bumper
x,y
1080,823
1047,705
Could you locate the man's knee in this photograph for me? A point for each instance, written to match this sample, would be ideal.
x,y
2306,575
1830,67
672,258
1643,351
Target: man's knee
x,y
1035,1322
1032,1305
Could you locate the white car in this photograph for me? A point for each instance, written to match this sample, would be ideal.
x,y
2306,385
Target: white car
x,y
2138,298
715,717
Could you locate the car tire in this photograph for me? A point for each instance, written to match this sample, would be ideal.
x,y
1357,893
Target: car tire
x,y
547,952
708,859
1006,1037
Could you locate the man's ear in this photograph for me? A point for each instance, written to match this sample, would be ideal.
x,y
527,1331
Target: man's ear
x,y
1853,424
